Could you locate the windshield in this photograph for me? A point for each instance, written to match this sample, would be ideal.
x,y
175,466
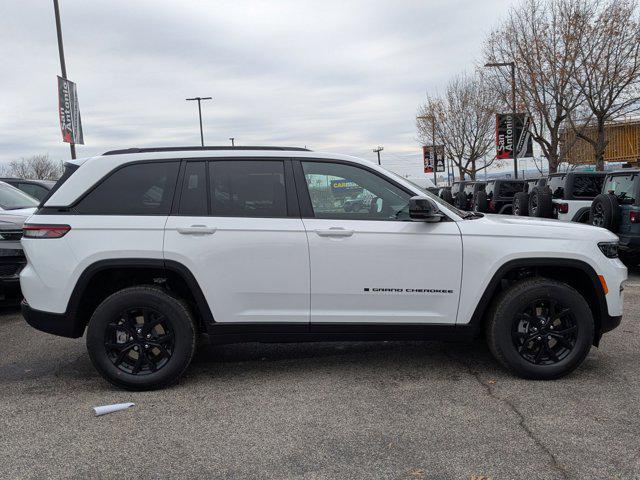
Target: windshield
x,y
13,199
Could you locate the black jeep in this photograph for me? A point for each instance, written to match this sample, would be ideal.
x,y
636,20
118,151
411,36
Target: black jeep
x,y
496,196
521,199
617,209
462,193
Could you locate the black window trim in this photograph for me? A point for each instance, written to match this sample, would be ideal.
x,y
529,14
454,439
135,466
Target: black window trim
x,y
306,208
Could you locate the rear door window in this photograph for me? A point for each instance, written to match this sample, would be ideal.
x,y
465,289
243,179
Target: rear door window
x,y
136,189
247,188
509,189
193,199
623,187
587,186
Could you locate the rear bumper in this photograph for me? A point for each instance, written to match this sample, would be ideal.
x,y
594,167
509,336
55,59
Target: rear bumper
x,y
629,242
55,323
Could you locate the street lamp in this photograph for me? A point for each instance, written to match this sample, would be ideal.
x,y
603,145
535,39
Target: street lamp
x,y
199,99
378,150
233,143
512,65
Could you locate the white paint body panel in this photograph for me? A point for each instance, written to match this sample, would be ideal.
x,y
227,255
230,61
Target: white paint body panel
x,y
249,269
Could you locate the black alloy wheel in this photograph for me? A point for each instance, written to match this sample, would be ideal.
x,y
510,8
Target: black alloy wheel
x,y
140,341
597,215
545,332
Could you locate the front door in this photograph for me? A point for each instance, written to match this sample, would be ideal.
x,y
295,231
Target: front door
x,y
369,262
238,229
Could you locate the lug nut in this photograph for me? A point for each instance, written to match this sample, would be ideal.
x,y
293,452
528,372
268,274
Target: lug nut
x,y
148,335
539,338
146,346
135,348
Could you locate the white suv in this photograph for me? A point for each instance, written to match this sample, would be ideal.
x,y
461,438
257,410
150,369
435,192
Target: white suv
x,y
146,248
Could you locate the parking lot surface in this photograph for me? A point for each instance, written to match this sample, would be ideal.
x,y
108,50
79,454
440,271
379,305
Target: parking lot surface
x,y
345,410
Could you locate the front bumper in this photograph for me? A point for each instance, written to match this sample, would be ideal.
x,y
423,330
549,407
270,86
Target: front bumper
x,y
55,323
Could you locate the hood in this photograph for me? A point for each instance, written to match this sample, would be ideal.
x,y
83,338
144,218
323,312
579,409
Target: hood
x,y
529,227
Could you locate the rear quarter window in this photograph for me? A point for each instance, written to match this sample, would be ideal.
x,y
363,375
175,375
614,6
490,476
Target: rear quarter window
x,y
556,184
587,186
509,189
136,189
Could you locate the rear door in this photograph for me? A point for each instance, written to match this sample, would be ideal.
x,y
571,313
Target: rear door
x,y
375,265
236,226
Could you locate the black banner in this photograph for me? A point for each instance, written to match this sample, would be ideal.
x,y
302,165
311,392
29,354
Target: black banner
x,y
431,158
69,111
506,131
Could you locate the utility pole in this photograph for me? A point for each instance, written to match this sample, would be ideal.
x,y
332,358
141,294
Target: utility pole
x,y
63,66
233,144
378,150
199,99
512,65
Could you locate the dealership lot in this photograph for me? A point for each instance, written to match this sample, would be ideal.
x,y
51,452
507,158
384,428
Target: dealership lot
x,y
359,410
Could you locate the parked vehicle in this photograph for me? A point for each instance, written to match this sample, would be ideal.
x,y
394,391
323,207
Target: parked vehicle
x,y
12,259
521,199
567,196
15,202
445,194
146,248
463,192
496,196
617,209
37,189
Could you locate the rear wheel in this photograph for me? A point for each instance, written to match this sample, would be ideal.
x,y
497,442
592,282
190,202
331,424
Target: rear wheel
x,y
541,203
141,338
480,202
521,204
540,329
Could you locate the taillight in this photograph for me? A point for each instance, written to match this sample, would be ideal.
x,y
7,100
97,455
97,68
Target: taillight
x,y
563,208
44,231
634,216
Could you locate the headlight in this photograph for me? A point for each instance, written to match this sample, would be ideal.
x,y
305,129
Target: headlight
x,y
610,249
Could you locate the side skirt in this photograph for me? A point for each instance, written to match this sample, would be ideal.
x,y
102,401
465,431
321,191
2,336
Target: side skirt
x,y
221,333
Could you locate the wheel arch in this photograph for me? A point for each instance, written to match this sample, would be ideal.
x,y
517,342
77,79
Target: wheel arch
x,y
576,273
108,276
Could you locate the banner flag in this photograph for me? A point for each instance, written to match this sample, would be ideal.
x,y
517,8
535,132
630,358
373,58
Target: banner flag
x,y
69,110
507,130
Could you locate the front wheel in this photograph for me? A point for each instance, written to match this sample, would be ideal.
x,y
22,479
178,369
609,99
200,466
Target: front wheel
x,y
141,338
540,328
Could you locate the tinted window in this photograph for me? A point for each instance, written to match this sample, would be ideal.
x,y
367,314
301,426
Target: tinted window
x,y
36,191
193,199
247,188
623,187
341,191
587,186
138,189
556,184
509,189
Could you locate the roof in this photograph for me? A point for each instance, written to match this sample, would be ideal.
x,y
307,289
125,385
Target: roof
x,y
197,149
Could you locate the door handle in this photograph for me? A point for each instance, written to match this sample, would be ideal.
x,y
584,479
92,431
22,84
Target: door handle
x,y
197,230
335,232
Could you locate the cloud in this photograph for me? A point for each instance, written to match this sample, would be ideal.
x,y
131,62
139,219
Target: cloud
x,y
335,75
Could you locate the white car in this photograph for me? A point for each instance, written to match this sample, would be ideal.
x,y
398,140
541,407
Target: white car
x,y
146,248
15,202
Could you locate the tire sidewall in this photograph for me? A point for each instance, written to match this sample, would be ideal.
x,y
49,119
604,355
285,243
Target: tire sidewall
x,y
511,307
178,317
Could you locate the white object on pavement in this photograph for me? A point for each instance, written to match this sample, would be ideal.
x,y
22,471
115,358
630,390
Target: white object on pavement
x,y
116,407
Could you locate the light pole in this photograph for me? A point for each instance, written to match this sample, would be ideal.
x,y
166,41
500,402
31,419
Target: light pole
x,y
199,99
512,65
233,144
63,66
378,150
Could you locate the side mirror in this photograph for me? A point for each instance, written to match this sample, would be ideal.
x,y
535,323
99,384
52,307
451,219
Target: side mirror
x,y
423,210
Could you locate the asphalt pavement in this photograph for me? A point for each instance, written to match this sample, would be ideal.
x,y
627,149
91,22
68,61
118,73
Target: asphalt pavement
x,y
414,410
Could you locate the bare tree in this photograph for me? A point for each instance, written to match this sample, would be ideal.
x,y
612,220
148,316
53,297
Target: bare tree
x,y
608,73
464,121
39,167
542,38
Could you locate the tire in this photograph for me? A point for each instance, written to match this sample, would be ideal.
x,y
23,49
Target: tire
x,y
521,204
605,212
160,329
540,203
447,197
518,348
480,202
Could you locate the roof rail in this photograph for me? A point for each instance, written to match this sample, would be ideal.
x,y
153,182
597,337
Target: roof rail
x,y
199,149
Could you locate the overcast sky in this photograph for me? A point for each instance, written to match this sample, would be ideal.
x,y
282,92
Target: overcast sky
x,y
342,76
